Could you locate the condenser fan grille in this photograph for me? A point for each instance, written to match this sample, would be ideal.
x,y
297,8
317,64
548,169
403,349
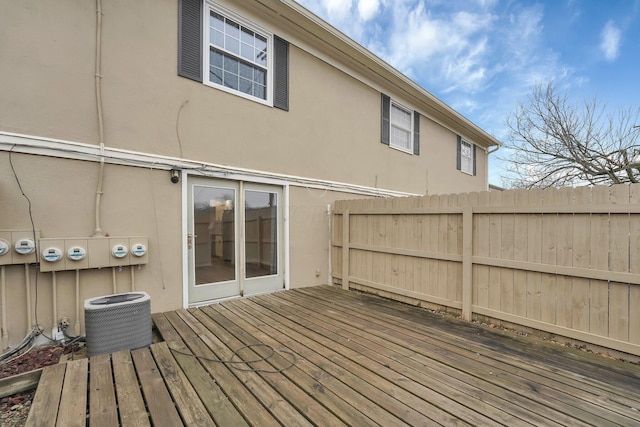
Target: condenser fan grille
x,y
117,322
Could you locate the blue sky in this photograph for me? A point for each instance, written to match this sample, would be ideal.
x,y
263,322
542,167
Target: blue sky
x,y
482,56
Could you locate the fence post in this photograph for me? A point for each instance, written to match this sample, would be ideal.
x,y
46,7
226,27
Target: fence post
x,y
467,262
345,250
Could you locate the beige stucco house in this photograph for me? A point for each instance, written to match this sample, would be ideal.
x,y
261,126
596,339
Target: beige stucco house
x,y
192,149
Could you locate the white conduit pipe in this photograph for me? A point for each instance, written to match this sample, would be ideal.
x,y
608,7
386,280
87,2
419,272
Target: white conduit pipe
x,y
98,87
5,333
77,325
54,285
133,279
115,285
27,280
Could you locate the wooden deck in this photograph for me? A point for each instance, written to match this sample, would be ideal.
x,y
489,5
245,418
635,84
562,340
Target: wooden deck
x,y
341,358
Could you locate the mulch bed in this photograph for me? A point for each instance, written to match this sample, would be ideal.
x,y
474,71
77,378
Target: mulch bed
x,y
15,409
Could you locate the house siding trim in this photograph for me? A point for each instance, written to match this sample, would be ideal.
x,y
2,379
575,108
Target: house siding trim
x,y
29,144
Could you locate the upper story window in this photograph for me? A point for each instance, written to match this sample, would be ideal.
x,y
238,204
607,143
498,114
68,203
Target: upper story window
x,y
466,157
225,51
239,57
400,126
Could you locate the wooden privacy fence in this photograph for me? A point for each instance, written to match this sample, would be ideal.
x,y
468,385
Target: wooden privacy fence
x,y
562,261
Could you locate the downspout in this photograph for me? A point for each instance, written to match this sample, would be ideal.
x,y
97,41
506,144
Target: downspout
x,y
98,86
486,170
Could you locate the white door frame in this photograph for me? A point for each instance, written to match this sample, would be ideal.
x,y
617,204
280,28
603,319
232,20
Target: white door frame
x,y
185,215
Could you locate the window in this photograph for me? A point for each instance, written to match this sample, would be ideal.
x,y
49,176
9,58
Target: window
x,y
227,52
466,157
239,57
400,126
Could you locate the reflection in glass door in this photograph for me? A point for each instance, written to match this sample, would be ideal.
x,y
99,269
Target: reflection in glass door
x,y
214,227
261,233
262,238
211,240
233,251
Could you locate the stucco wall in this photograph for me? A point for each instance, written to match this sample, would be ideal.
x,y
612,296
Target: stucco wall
x,y
136,202
332,130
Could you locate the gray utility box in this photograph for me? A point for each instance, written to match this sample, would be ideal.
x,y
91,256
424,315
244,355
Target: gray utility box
x,y
117,322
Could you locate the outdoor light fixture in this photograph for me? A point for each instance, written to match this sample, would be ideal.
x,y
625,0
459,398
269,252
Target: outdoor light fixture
x,y
175,176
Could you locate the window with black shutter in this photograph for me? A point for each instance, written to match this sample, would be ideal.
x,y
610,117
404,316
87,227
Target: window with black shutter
x,y
240,57
400,126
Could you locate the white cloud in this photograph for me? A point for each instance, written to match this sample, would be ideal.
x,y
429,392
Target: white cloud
x,y
368,9
480,56
450,48
610,41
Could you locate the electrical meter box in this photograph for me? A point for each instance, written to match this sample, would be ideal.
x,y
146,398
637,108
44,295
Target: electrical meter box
x,y
139,250
18,246
4,247
25,246
52,254
77,254
119,250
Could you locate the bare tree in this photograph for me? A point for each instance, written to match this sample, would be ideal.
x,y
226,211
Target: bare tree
x,y
554,143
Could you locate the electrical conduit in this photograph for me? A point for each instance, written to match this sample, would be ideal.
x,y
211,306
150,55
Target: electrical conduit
x,y
98,87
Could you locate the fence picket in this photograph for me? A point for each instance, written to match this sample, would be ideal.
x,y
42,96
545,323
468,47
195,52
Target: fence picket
x,y
482,272
599,289
564,256
534,255
619,261
520,254
495,249
634,266
581,257
548,286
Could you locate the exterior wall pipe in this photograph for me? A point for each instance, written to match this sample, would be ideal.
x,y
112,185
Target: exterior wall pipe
x,y
54,299
329,264
133,279
5,333
27,280
98,88
115,281
77,325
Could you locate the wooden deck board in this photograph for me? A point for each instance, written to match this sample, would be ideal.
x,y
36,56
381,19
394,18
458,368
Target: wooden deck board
x,y
562,402
102,399
47,397
73,403
162,410
191,408
130,402
358,360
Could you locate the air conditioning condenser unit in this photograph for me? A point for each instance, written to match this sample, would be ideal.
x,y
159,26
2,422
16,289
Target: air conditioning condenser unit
x,y
117,322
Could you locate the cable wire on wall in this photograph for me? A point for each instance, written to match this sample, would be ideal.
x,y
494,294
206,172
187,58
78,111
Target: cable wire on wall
x,y
37,254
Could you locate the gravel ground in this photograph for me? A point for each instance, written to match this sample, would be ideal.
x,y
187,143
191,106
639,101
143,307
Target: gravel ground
x,y
15,409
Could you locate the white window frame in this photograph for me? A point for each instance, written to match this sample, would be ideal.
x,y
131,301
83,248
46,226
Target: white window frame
x,y
470,157
210,7
392,143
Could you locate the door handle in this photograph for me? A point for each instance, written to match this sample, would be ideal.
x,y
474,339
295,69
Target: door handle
x,y
190,238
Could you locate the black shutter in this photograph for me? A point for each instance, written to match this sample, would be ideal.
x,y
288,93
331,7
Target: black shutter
x,y
281,77
474,160
386,123
416,133
459,154
190,39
